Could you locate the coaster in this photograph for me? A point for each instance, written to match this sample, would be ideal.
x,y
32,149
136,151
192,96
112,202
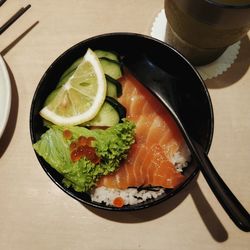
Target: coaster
x,y
211,70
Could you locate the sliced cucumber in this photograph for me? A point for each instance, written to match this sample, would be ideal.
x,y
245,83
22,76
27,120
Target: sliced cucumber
x,y
111,68
112,111
111,90
51,96
69,72
109,61
114,87
120,109
47,123
110,114
107,54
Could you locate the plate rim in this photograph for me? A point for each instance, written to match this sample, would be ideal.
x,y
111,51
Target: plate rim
x,y
7,87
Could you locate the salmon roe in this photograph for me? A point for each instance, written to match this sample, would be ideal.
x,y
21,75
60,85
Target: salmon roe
x,y
67,134
82,148
118,202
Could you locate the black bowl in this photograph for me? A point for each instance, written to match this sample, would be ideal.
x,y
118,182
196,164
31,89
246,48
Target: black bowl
x,y
197,108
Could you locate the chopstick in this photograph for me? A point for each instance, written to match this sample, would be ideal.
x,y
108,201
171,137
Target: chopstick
x,y
19,13
2,2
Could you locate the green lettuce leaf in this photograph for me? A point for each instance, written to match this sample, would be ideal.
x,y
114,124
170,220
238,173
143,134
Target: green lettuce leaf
x,y
112,146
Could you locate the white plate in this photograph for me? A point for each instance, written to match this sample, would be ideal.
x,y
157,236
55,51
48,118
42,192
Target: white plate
x,y
5,95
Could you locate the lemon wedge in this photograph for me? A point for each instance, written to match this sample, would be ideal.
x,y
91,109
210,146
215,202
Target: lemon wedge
x,y
81,97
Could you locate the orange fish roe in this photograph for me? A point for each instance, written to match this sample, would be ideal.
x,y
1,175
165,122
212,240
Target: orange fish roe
x,y
118,202
67,134
73,146
75,156
81,148
85,140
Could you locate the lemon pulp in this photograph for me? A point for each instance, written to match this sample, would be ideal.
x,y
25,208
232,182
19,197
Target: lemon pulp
x,y
81,97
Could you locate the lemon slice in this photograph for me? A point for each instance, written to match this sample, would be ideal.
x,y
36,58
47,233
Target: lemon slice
x,y
81,97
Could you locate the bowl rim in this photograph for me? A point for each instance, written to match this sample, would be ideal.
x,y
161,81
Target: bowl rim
x,y
229,5
5,97
138,206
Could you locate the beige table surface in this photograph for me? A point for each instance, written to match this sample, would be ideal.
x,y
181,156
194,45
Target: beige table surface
x,y
36,214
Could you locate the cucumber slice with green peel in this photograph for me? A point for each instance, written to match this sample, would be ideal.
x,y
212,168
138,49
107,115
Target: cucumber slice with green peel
x,y
47,123
107,54
111,68
114,87
111,113
69,72
109,61
106,117
117,106
111,90
51,96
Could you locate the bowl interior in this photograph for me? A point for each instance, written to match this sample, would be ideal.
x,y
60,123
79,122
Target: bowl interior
x,y
197,108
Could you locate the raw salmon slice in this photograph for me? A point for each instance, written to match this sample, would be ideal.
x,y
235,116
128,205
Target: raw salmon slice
x,y
158,139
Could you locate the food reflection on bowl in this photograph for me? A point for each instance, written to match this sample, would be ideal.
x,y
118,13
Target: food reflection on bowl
x,y
154,168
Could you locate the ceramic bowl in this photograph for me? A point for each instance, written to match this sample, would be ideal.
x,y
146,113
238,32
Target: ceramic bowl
x,y
197,109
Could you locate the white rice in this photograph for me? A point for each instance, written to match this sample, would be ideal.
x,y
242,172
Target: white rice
x,y
132,196
181,158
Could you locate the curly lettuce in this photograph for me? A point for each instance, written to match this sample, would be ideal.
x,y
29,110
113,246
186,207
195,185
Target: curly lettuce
x,y
111,145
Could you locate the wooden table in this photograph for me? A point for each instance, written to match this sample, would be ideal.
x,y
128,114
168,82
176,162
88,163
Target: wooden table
x,y
36,214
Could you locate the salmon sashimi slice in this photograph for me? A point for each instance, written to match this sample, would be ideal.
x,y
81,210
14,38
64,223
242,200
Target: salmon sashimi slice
x,y
158,139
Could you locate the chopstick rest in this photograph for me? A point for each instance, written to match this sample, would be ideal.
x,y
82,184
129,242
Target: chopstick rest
x,y
19,13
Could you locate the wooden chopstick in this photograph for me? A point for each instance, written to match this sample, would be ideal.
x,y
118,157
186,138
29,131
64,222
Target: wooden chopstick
x,y
2,2
19,13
